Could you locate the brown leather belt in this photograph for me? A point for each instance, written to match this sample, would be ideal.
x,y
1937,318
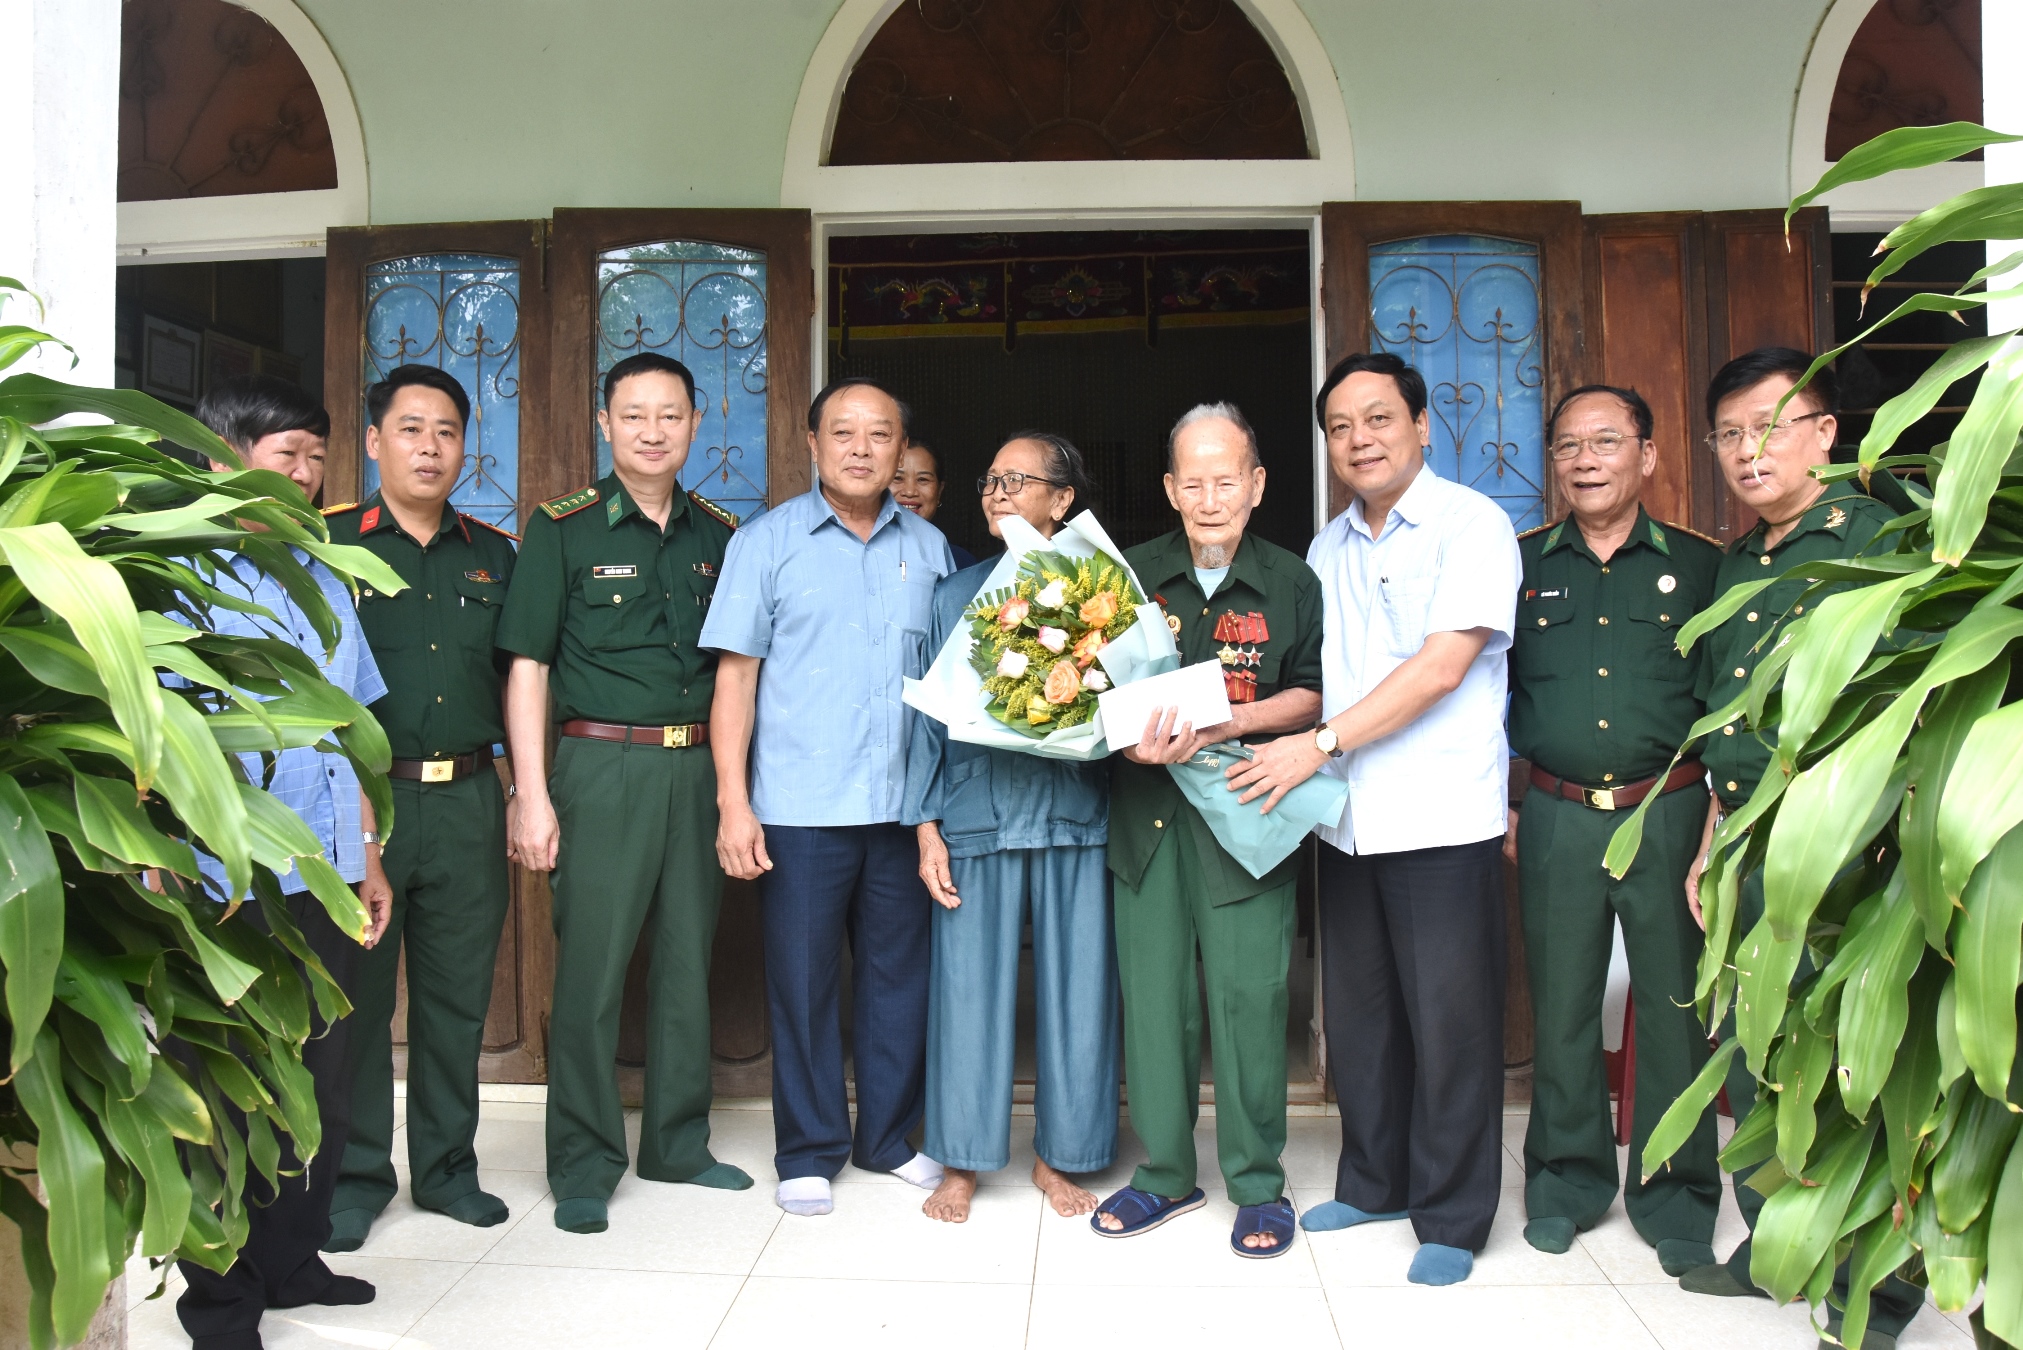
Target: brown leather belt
x,y
1623,797
673,738
442,770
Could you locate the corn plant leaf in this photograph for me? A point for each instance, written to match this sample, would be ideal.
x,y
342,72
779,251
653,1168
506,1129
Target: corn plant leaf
x,y
1983,800
1802,1065
1827,647
2002,1309
51,657
1988,953
1902,411
143,1138
18,1203
1879,1249
1902,148
200,786
173,1102
1981,445
31,918
1954,1262
1993,212
36,398
1964,1173
1829,811
1876,998
116,824
338,899
1912,1088
1764,965
1796,1229
89,986
1683,1116
1933,749
72,1171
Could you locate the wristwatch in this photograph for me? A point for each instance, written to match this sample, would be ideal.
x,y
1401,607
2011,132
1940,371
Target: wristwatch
x,y
1327,742
368,836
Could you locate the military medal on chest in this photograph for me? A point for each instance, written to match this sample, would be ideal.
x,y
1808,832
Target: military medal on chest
x,y
1241,635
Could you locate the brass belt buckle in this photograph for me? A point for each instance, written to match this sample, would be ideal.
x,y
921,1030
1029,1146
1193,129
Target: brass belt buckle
x,y
438,770
1601,799
675,738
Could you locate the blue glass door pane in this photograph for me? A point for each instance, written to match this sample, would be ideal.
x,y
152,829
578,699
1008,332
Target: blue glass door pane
x,y
459,311
1464,310
705,306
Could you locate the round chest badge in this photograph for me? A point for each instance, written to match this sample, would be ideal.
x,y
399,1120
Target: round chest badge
x,y
1668,583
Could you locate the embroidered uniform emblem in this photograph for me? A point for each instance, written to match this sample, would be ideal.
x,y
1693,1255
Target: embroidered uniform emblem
x,y
1836,518
369,521
1668,583
482,576
704,569
618,570
569,503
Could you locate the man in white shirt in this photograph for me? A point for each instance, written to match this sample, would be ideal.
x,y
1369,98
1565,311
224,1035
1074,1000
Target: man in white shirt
x,y
1420,579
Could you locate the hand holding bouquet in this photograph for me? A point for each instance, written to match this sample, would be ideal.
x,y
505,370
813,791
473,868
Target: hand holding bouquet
x,y
1037,642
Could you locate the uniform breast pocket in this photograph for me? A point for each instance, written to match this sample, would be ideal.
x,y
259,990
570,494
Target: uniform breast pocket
x,y
616,612
1405,605
916,602
1658,634
478,605
967,808
391,622
1543,630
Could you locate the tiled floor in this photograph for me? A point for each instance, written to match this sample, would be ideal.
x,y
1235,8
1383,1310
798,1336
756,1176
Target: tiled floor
x,y
688,1267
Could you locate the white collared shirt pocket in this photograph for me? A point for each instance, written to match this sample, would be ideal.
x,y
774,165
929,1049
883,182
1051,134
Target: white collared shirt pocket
x,y
1405,604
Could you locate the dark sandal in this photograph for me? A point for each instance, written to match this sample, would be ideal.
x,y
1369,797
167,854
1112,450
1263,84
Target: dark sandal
x,y
1274,1219
1142,1211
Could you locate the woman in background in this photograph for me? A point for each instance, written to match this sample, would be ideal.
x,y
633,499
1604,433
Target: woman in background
x,y
918,485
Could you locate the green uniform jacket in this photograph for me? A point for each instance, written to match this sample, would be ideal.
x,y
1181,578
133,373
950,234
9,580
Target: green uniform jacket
x,y
1265,579
434,641
1839,525
1598,691
614,604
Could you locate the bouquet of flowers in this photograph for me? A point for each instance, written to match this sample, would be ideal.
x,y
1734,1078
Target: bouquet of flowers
x,y
1036,642
1057,622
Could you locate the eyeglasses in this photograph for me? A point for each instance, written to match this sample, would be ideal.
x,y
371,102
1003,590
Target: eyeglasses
x,y
1607,445
1013,483
1729,439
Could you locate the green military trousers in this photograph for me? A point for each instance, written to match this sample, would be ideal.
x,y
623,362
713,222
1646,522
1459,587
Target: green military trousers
x,y
446,862
638,853
1245,947
1568,902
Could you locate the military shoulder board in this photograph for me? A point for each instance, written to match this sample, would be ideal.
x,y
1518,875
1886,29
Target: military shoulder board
x,y
715,510
473,520
340,508
1685,529
569,503
1536,529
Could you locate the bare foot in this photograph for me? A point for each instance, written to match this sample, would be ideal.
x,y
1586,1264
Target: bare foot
x,y
1065,1196
950,1201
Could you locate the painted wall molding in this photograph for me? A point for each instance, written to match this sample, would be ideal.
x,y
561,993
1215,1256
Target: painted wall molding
x,y
1062,187
1882,203
264,224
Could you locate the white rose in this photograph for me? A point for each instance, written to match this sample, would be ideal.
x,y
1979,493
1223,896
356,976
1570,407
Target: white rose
x,y
1012,665
1052,597
1096,680
1053,639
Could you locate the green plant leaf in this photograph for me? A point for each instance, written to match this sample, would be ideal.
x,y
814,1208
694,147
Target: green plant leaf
x,y
116,824
1875,1005
1902,148
1902,411
1963,1174
1879,1249
48,654
35,398
1989,957
143,1138
31,918
200,786
90,987
1802,1066
1981,445
18,1203
1912,1088
1764,966
1954,1262
72,1171
1683,1116
1994,212
1933,749
1983,799
1797,1226
346,910
2002,1310
89,594
1827,647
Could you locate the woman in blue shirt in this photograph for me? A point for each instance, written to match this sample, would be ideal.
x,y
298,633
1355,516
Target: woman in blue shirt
x,y
999,830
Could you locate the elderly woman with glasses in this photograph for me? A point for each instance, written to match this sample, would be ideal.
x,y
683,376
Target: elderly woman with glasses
x,y
999,832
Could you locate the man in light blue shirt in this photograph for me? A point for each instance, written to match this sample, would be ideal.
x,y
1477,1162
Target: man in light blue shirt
x,y
821,613
275,426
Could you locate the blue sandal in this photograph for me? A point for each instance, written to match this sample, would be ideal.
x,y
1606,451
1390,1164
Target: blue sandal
x,y
1142,1211
1275,1219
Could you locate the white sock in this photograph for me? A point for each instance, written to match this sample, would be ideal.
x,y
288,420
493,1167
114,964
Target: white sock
x,y
807,1196
920,1170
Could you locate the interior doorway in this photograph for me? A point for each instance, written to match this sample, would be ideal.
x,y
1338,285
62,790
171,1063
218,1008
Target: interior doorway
x,y
1104,337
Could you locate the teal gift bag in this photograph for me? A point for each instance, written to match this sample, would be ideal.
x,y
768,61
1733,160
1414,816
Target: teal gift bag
x,y
1260,842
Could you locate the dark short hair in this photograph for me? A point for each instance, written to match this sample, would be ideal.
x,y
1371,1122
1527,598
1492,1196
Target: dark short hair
x,y
1214,412
1065,464
379,397
246,409
643,363
933,455
1753,368
835,387
1411,384
1640,411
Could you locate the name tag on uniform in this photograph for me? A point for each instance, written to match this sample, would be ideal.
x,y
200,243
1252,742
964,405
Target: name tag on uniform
x,y
706,569
1546,595
621,570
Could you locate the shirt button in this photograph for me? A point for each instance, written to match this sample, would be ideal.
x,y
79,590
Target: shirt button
x,y
1204,611
1605,571
429,596
1664,618
1741,674
1603,724
1731,785
617,599
1728,730
1603,672
1798,609
1751,616
1765,560
1603,620
1158,824
1608,778
431,646
1541,623
439,698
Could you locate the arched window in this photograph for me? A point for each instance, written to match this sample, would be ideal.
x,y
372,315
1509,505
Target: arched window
x,y
1912,63
951,81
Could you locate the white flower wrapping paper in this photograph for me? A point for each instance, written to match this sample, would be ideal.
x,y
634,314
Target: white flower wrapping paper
x,y
952,693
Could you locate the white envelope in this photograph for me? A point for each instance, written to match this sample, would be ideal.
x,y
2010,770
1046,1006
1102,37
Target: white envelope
x,y
1197,690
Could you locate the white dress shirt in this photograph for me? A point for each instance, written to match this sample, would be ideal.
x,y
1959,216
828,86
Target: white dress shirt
x,y
1447,561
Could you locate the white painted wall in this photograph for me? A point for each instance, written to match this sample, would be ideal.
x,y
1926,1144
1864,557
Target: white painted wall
x,y
2002,109
59,100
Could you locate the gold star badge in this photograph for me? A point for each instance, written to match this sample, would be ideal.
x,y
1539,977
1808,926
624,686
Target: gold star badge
x,y
1229,655
1836,518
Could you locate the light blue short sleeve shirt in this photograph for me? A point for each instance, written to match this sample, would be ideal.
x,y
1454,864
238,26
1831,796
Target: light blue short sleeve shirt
x,y
838,622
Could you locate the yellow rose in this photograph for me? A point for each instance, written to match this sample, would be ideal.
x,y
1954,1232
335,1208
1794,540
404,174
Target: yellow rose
x,y
1099,609
1062,683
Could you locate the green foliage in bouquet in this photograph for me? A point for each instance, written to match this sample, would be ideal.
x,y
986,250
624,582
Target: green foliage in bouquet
x,y
1037,640
150,1040
1876,1002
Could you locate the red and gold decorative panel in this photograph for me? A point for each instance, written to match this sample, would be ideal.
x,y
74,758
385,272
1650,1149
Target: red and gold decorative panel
x,y
949,81
214,103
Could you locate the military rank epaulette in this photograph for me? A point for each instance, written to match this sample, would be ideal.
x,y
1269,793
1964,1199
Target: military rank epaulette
x,y
474,520
1536,529
715,510
1687,529
341,506
569,503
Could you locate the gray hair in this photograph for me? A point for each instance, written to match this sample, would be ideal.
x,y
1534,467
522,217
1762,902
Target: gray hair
x,y
1207,412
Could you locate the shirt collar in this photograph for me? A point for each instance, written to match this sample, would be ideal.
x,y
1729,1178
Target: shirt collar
x,y
825,510
1420,501
374,515
618,503
1567,534
1830,513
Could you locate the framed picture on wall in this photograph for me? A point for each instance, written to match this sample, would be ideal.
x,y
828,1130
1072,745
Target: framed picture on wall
x,y
281,364
171,360
225,357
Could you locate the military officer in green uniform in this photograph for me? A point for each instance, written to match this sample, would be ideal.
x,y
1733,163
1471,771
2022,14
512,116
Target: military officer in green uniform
x,y
1600,698
1767,465
606,606
446,860
1257,609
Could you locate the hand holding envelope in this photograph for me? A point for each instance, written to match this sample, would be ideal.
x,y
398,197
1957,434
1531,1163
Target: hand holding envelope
x,y
1192,696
